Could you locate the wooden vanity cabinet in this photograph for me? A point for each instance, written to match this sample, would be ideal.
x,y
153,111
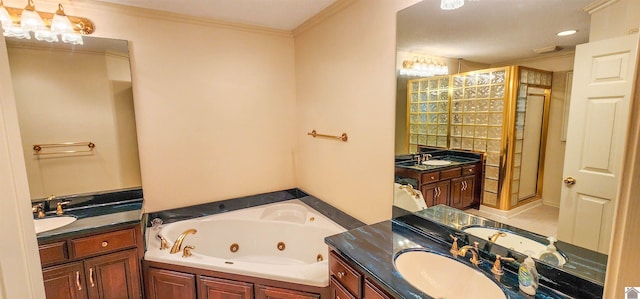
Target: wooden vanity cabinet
x,y
102,265
458,187
345,282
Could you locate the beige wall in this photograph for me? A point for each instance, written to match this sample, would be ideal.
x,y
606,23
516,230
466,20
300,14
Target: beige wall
x,y
215,104
613,18
346,83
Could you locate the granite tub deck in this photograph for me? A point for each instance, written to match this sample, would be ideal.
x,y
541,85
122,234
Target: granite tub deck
x,y
372,249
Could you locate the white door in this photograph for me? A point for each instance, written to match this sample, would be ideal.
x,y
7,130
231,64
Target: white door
x,y
604,74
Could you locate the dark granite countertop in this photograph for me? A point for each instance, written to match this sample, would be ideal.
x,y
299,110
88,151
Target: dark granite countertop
x,y
372,249
91,224
96,212
457,158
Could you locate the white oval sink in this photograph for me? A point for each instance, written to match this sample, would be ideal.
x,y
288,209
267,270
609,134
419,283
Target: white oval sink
x,y
45,224
436,162
442,277
512,241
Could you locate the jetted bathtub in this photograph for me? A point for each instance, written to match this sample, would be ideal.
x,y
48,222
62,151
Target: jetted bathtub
x,y
281,241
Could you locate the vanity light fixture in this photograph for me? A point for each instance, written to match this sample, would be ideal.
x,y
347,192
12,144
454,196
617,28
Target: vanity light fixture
x,y
567,32
19,23
422,67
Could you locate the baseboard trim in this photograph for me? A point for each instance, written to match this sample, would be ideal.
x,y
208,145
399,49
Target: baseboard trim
x,y
510,213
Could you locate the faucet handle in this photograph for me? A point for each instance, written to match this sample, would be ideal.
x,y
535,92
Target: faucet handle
x,y
59,210
39,208
497,265
186,252
163,242
454,246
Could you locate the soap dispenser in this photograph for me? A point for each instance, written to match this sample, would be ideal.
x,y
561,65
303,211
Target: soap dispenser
x,y
528,275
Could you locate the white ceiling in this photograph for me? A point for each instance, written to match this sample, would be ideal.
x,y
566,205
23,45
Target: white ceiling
x,y
491,31
487,31
277,14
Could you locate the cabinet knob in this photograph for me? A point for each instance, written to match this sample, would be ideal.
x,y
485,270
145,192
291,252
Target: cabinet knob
x,y
104,244
432,177
341,274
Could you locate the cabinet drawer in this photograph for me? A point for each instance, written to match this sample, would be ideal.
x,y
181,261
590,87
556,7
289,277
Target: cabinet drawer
x,y
467,170
53,253
344,274
430,177
102,243
450,173
338,291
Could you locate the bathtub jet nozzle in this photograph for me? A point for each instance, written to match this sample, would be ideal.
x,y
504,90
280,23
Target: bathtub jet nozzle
x,y
177,246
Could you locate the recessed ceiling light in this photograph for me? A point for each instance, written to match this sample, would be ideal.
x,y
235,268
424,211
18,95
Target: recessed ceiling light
x,y
566,32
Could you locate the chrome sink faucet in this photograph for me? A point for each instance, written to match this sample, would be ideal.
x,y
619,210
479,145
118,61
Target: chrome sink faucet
x,y
421,157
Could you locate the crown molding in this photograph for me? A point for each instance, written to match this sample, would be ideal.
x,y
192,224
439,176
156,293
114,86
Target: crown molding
x,y
542,57
170,16
598,5
331,10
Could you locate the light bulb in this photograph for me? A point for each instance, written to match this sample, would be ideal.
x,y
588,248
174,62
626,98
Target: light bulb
x,y
60,22
451,4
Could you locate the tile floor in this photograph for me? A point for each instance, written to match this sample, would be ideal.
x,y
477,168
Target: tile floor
x,y
541,219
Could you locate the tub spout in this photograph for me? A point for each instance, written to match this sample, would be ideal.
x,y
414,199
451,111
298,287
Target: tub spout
x,y
178,244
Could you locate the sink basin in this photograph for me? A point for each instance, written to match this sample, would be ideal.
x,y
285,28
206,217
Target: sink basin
x,y
45,224
443,277
512,241
436,162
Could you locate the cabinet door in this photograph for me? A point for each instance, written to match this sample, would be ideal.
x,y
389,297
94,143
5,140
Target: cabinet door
x,y
372,292
457,188
436,194
462,192
442,198
429,193
165,284
468,193
114,275
266,292
64,281
216,288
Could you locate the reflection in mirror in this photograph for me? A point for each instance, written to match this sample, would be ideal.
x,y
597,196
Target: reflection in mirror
x,y
587,264
487,35
69,97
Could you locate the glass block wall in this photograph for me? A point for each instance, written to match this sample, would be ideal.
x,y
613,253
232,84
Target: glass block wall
x,y
428,115
477,118
462,112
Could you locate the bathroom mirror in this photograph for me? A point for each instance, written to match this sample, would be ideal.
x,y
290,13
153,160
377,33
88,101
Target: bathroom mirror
x,y
481,35
76,116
